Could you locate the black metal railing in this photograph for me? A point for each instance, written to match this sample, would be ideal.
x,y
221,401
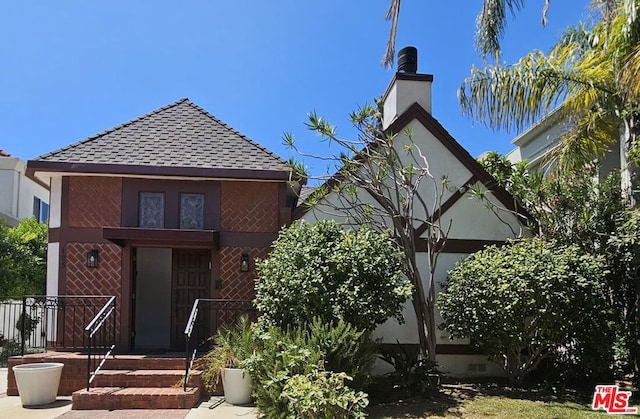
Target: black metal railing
x,y
11,335
207,315
35,323
101,337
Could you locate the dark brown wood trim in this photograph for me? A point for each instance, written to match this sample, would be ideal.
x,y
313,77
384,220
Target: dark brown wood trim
x,y
64,202
441,349
446,206
453,199
123,169
238,239
465,246
31,174
172,189
126,267
215,274
166,237
284,215
76,234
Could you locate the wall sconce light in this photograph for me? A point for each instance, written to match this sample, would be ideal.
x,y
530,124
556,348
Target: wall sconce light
x,y
244,263
92,258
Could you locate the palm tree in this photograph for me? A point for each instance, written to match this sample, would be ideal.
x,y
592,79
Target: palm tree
x,y
592,75
589,74
490,25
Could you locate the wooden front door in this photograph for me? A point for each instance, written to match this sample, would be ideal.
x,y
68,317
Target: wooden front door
x,y
191,280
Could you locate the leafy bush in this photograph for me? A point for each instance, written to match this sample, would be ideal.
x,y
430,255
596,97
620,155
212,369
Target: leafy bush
x,y
303,350
528,300
23,258
320,270
344,349
323,394
281,355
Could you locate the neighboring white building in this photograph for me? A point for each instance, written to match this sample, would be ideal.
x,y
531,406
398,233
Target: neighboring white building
x,y
407,108
536,145
20,197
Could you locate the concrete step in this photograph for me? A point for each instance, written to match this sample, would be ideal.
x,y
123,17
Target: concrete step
x,y
117,398
145,378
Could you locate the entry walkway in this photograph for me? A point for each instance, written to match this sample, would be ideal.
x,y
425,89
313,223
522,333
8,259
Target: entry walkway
x,y
10,407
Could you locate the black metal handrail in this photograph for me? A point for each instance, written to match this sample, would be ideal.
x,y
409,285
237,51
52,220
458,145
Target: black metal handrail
x,y
220,312
97,331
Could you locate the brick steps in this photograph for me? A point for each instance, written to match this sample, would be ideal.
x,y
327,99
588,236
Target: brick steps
x,y
144,378
125,382
115,398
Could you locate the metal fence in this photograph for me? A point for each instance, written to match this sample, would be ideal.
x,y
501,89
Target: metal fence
x,y
39,322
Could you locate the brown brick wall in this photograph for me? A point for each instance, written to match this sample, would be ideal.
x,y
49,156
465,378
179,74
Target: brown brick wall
x,y
250,207
238,285
94,201
103,280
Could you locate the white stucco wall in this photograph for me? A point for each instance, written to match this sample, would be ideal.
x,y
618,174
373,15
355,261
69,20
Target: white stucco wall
x,y
55,206
53,264
474,219
404,94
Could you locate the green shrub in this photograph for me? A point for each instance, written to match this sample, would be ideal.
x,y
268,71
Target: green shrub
x,y
281,355
530,300
323,395
319,270
344,349
303,350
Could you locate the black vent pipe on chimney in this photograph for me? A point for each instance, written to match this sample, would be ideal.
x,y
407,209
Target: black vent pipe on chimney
x,y
408,60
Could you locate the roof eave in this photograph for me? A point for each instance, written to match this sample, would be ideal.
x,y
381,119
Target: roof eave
x,y
34,166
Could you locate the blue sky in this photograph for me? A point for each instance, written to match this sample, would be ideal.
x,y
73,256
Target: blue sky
x,y
72,69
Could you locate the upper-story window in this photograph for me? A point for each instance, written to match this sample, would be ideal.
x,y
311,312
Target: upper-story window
x,y
40,210
191,211
151,210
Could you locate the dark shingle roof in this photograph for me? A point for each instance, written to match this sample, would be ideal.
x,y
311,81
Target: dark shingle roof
x,y
178,135
305,192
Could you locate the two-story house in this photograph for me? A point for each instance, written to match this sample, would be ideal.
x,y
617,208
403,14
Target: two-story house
x,y
169,207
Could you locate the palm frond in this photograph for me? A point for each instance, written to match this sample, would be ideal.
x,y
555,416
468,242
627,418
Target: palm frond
x,y
514,97
492,22
392,14
593,135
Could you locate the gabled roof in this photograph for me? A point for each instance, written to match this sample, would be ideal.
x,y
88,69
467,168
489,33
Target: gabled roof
x,y
178,139
479,174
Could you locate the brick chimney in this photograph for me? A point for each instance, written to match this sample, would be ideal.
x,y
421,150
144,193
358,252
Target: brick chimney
x,y
407,87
